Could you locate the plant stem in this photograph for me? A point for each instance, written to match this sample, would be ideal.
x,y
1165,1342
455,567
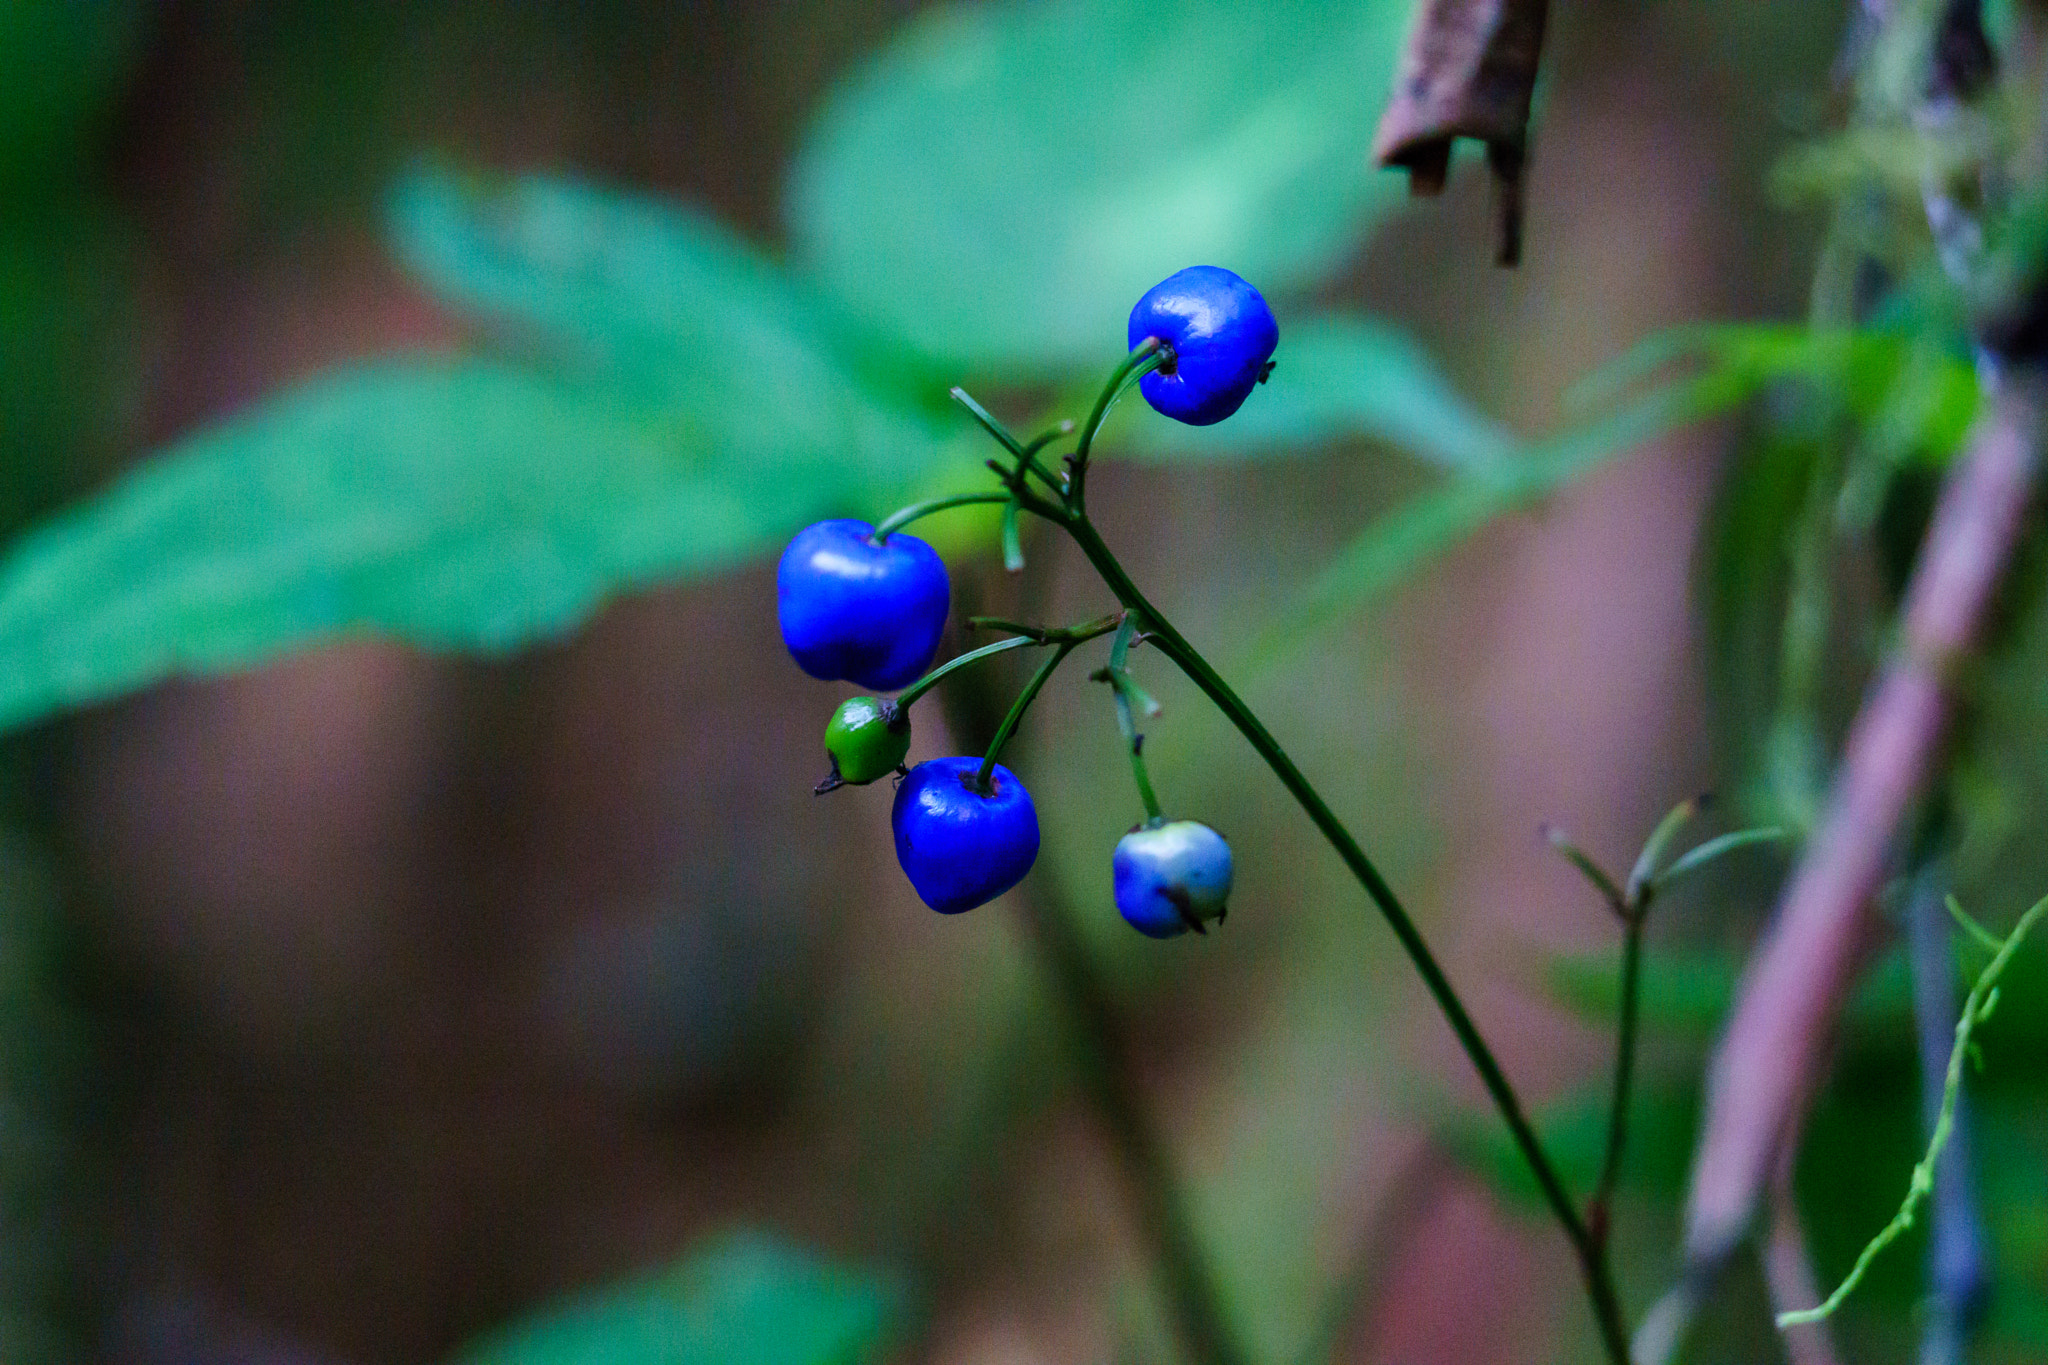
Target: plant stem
x,y
1026,637
1027,455
1017,710
1593,1264
1120,685
1191,1291
1146,357
1102,1054
931,679
1598,1207
1143,779
898,520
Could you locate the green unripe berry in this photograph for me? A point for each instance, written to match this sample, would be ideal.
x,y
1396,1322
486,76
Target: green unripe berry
x,y
867,737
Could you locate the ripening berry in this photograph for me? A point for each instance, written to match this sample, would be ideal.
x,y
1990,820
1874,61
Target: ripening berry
x,y
1171,876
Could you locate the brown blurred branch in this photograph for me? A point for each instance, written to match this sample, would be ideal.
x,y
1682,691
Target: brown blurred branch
x,y
1468,70
1788,1273
1795,985
1769,1061
974,701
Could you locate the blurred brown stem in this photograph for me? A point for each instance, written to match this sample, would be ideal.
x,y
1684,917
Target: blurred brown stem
x,y
1788,1272
1795,985
1769,1060
1192,1295
973,701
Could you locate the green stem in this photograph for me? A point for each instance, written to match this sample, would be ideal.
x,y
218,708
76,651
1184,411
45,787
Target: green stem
x,y
898,520
1103,1052
1126,723
1599,1206
931,679
1017,710
1026,454
1593,1264
1027,636
1148,356
1145,792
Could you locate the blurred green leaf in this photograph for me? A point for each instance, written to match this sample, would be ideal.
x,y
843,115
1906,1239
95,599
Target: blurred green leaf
x,y
1685,994
1730,363
743,1299
665,305
1337,378
453,503
1890,377
1001,183
1431,522
1661,1134
60,65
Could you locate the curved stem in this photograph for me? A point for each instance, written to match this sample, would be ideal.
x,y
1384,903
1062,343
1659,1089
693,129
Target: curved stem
x,y
1144,781
1148,356
898,520
931,679
1598,1207
1017,710
1126,723
1593,1264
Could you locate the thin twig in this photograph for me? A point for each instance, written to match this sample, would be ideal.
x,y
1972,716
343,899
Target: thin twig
x,y
1958,1272
1599,1208
1788,1274
1594,1268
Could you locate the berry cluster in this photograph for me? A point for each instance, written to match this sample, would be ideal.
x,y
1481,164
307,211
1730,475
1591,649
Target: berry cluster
x,y
868,604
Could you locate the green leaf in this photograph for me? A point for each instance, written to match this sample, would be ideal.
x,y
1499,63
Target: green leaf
x,y
1695,858
1431,522
665,305
1001,183
1661,1132
1685,994
454,503
1337,378
743,1299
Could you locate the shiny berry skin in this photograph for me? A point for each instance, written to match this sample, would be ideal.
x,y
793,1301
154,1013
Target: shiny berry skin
x,y
1222,334
867,738
960,848
870,614
1171,877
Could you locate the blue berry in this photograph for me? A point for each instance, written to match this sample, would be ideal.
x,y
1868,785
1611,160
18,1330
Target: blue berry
x,y
1171,877
870,614
959,847
1222,335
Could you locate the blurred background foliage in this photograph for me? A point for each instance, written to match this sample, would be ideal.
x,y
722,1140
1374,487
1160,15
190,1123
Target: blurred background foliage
x,y
425,928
